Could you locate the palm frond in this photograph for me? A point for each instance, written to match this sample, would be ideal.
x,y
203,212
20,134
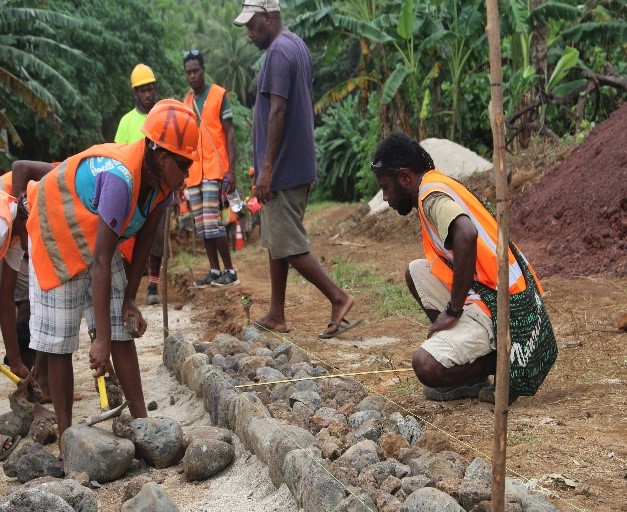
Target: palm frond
x,y
6,123
340,91
24,92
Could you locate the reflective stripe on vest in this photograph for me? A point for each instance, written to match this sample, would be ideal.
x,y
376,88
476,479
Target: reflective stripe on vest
x,y
211,139
62,229
6,184
486,271
5,215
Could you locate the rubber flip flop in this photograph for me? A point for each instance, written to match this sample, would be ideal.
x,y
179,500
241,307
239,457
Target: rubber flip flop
x,y
5,453
271,329
340,327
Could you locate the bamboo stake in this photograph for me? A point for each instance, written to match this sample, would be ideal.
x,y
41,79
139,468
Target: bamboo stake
x,y
499,448
164,272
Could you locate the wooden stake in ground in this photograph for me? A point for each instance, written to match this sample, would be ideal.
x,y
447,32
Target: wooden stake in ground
x,y
164,273
499,449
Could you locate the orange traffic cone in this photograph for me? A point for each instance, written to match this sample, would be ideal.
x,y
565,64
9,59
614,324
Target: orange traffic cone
x,y
239,239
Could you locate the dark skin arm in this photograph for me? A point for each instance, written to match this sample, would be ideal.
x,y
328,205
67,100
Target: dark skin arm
x,y
106,244
463,239
101,286
7,321
141,251
229,131
25,171
276,125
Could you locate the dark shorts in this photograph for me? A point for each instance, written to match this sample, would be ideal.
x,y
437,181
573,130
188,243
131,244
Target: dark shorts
x,y
282,230
157,245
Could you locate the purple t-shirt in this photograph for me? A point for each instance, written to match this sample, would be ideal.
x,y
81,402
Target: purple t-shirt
x,y
105,187
287,72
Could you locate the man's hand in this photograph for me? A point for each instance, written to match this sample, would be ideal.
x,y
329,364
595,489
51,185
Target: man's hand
x,y
231,182
442,323
19,369
99,357
262,187
129,308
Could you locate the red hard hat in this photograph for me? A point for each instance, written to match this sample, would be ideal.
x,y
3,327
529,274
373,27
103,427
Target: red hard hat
x,y
172,126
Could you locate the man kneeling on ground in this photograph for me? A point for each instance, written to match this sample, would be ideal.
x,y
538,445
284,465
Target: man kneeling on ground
x,y
456,284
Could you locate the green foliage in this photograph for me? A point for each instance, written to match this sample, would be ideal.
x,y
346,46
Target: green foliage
x,y
114,37
345,141
392,299
28,44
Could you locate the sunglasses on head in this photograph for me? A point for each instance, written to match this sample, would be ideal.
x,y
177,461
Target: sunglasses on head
x,y
379,167
191,53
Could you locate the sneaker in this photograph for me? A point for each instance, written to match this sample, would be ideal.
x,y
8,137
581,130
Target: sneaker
x,y
470,389
207,280
227,278
487,394
152,295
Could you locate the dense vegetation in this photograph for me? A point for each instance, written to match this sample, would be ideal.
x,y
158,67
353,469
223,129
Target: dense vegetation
x,y
380,65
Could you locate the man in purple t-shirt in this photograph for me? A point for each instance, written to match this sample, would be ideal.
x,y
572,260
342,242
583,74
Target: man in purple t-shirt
x,y
285,162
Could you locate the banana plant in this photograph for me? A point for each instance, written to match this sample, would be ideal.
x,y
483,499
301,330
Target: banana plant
x,y
26,39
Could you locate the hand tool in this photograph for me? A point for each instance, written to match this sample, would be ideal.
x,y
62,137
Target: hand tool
x,y
105,411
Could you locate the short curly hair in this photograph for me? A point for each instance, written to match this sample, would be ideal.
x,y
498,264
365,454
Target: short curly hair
x,y
398,150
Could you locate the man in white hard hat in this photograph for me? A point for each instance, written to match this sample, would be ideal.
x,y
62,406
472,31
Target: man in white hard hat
x,y
144,84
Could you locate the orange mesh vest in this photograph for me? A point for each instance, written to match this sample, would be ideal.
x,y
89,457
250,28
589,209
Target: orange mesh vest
x,y
6,184
441,259
5,215
214,159
61,229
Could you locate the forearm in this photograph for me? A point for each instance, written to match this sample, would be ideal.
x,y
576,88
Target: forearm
x,y
230,147
101,296
7,314
465,251
276,126
25,171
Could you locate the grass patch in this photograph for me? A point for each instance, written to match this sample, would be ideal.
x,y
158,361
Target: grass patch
x,y
183,261
392,299
322,205
517,437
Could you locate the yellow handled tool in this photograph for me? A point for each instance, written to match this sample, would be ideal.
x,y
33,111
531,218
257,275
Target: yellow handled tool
x,y
28,386
4,369
105,411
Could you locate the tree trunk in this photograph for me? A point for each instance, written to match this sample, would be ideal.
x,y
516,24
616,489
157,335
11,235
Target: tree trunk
x,y
539,50
502,218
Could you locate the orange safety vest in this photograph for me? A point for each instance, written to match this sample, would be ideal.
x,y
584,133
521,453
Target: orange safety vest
x,y
441,259
5,214
62,230
214,158
6,185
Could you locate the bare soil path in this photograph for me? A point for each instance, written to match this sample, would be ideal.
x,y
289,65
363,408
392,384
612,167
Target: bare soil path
x,y
570,436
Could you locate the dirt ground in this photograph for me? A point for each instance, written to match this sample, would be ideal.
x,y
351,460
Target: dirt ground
x,y
569,437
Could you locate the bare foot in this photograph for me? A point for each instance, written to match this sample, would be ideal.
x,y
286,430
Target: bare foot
x,y
340,309
270,324
339,323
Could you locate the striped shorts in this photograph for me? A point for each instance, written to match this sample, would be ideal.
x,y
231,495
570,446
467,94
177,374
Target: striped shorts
x,y
205,204
56,314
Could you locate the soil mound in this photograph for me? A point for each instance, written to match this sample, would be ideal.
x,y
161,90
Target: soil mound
x,y
573,221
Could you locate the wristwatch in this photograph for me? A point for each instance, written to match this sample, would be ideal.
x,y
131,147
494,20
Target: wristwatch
x,y
455,314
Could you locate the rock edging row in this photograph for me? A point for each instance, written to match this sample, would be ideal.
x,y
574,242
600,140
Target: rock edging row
x,y
336,448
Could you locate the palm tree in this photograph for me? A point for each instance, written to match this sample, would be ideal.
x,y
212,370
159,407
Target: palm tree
x,y
229,57
26,38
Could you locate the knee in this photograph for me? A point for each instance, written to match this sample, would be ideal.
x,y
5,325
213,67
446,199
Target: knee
x,y
427,368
